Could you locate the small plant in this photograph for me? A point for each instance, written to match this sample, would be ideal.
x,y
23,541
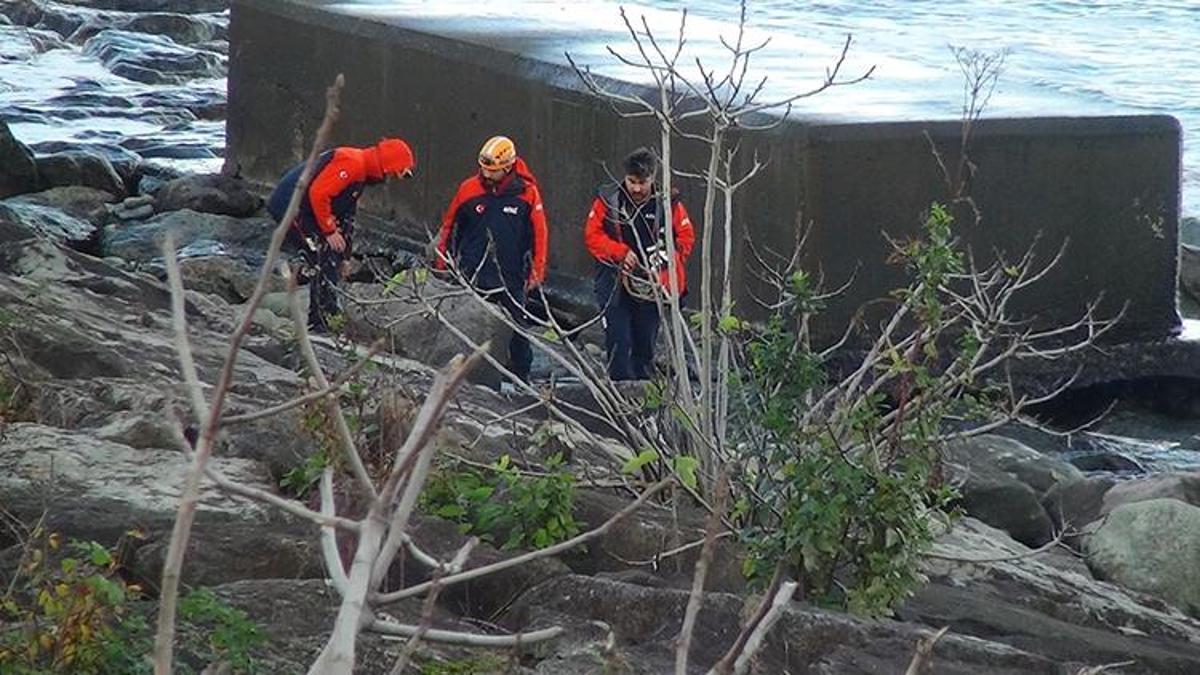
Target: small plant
x,y
68,611
502,503
482,665
220,633
300,479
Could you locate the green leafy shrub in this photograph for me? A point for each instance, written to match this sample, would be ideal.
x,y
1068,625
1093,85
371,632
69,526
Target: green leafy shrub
x,y
218,632
68,611
842,489
503,504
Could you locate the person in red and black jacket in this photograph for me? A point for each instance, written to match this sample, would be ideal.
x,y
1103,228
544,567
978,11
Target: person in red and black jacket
x,y
495,233
625,234
323,229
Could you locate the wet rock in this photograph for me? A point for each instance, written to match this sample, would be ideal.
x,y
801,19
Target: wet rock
x,y
18,170
21,220
208,193
219,234
153,177
1151,546
1107,461
19,44
1189,267
127,164
412,334
1189,231
182,6
152,59
134,208
76,168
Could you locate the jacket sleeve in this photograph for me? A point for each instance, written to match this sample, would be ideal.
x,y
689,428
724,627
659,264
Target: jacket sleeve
x,y
447,231
599,244
685,234
541,237
337,175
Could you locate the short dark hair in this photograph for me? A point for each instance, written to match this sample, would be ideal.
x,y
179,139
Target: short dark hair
x,y
641,163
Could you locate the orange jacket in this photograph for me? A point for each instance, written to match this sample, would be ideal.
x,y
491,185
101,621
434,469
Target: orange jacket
x,y
602,232
480,210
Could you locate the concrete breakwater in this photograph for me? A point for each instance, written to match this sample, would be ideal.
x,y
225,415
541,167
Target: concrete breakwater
x,y
1108,186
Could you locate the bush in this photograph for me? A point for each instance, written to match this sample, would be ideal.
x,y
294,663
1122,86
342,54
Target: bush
x,y
503,504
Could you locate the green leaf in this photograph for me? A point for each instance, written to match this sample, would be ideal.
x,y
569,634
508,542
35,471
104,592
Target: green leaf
x,y
551,335
635,464
729,324
685,468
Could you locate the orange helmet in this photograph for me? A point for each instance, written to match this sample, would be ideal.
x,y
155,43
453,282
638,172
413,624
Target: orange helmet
x,y
498,152
395,157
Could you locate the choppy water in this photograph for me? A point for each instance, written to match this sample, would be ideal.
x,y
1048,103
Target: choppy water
x,y
1065,57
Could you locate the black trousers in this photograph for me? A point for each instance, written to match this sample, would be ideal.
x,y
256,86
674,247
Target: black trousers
x,y
324,265
520,352
630,335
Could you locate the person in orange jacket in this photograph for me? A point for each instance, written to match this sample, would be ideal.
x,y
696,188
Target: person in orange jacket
x,y
323,230
495,232
625,234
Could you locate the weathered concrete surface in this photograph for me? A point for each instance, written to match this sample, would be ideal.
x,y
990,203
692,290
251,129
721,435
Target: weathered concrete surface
x,y
1109,185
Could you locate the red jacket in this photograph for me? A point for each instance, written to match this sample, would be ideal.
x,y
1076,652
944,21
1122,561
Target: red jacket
x,y
603,231
509,213
338,179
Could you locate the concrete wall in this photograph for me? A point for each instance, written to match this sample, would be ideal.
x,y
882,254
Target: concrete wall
x,y
1109,185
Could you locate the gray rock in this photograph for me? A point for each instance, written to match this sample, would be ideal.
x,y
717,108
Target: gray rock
x,y
1002,482
1047,605
988,452
1151,546
1182,486
411,334
85,203
209,193
18,170
78,168
19,220
230,278
245,238
102,488
627,628
152,59
1076,505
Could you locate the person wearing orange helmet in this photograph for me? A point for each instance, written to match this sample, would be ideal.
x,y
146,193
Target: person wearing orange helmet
x,y
495,233
626,235
323,229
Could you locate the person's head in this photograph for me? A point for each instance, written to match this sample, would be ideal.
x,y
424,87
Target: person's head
x,y
497,157
395,158
640,167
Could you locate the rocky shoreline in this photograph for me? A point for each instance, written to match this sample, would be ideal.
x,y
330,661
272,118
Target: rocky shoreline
x,y
95,403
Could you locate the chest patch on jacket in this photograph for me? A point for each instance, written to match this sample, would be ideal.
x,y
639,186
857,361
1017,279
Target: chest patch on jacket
x,y
511,210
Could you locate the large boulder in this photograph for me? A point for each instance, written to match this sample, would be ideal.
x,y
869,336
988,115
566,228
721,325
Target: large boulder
x,y
152,59
1180,485
1151,546
18,170
401,319
984,584
630,628
1002,482
1075,505
201,232
208,193
79,168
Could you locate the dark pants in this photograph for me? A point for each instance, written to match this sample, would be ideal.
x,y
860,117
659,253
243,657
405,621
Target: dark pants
x,y
520,352
630,335
324,270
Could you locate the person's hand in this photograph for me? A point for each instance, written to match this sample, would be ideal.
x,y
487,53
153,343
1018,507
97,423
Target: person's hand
x,y
336,241
630,261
